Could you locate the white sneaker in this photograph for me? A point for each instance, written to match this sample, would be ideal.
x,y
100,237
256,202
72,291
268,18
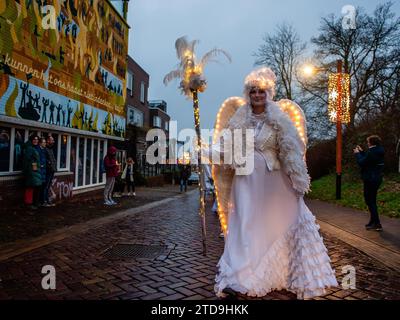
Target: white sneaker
x,y
134,194
107,203
112,202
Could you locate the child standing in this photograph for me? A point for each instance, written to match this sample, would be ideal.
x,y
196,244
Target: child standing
x,y
127,176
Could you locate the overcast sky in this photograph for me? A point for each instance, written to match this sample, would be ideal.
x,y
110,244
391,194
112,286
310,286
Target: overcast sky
x,y
236,26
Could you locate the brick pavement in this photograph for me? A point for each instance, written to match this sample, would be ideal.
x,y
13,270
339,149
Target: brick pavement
x,y
83,272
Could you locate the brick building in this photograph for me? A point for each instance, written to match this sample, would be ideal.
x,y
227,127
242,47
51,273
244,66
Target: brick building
x,y
67,82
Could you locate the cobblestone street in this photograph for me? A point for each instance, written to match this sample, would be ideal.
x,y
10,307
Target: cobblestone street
x,y
84,271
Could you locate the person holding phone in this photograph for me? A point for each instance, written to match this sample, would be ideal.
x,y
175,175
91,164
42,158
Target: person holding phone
x,y
371,163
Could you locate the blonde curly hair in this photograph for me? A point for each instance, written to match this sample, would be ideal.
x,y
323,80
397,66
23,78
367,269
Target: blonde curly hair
x,y
263,78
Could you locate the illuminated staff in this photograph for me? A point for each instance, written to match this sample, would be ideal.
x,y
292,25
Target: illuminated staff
x,y
192,82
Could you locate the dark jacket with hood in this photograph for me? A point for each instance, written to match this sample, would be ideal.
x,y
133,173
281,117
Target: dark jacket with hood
x,y
51,160
371,163
31,156
110,163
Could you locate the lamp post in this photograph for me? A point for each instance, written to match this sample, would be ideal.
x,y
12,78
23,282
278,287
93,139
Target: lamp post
x,y
339,134
338,109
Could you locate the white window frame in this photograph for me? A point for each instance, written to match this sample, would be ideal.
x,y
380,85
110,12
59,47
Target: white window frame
x,y
157,121
98,161
135,110
11,171
142,92
91,160
130,82
84,164
68,152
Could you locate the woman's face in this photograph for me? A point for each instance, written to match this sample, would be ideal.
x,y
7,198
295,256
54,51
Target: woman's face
x,y
35,141
258,97
43,143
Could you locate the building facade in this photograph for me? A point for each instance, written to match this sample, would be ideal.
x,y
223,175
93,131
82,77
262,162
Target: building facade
x,y
159,117
137,111
66,78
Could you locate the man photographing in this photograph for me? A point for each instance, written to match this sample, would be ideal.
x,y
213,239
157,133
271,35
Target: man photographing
x,y
371,163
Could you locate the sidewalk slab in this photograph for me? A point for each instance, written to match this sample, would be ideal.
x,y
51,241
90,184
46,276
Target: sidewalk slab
x,y
354,221
347,224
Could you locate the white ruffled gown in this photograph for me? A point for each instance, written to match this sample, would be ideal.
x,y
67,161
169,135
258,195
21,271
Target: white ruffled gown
x,y
273,241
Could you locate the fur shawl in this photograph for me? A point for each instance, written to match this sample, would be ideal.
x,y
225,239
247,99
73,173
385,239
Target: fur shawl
x,y
290,147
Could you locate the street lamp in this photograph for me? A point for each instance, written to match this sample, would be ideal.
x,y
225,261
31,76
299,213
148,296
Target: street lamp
x,y
338,110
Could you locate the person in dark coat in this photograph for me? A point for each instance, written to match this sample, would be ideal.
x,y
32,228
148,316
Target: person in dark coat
x,y
112,170
41,149
371,163
183,177
31,172
51,169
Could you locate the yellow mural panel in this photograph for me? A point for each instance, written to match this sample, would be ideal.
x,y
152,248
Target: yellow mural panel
x,y
75,49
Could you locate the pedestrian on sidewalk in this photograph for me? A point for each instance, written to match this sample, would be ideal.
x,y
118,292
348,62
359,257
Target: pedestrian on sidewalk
x,y
371,163
33,179
50,170
112,170
183,178
41,149
119,184
128,177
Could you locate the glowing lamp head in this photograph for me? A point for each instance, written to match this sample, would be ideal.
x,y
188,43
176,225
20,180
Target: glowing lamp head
x,y
308,70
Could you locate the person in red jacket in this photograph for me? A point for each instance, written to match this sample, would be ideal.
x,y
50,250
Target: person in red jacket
x,y
112,170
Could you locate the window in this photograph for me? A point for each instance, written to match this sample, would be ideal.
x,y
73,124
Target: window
x,y
90,166
156,121
88,155
166,125
19,138
95,166
63,151
135,117
142,92
103,147
5,147
73,164
129,82
81,159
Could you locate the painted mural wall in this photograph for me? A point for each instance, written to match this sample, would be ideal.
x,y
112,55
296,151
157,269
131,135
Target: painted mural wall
x,y
69,75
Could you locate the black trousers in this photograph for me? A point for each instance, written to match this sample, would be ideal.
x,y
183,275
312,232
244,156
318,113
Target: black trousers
x,y
130,185
370,193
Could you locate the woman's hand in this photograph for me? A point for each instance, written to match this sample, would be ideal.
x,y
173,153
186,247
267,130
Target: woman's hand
x,y
357,149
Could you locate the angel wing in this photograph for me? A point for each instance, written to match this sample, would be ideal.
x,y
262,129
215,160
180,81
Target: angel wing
x,y
296,114
222,175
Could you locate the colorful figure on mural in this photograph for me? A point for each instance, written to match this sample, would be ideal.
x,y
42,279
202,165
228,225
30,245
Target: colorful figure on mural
x,y
45,102
82,59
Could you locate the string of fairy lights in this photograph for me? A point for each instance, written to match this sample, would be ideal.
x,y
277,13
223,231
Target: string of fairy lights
x,y
339,97
196,113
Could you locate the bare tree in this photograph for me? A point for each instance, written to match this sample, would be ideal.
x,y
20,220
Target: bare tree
x,y
281,52
371,55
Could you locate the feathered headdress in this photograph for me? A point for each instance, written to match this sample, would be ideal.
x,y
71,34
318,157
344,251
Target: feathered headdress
x,y
263,78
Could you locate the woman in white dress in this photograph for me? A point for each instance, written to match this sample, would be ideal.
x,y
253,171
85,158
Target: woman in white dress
x,y
272,242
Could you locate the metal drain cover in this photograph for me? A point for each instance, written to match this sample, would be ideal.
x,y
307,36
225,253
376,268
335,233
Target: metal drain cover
x,y
123,250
